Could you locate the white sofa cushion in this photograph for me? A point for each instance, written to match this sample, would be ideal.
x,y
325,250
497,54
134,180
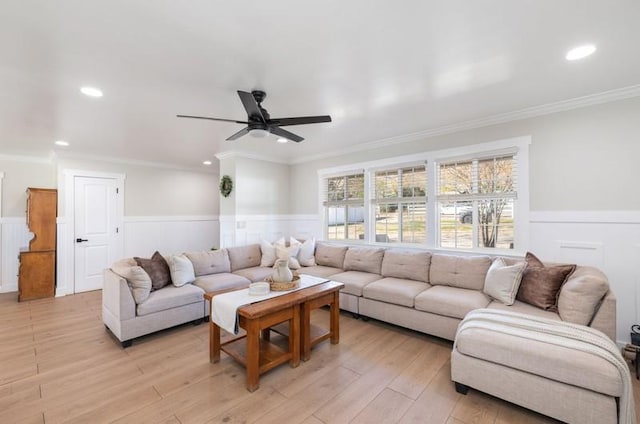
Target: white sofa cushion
x,y
209,261
363,259
450,301
222,281
290,254
170,297
255,273
320,271
502,280
395,290
354,281
412,265
524,308
465,272
333,256
137,278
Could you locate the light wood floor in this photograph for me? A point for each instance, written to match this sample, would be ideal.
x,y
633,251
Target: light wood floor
x,y
58,364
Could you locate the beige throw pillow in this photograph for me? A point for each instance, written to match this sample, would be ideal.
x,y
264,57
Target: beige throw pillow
x,y
181,270
290,253
502,281
581,295
306,255
138,280
268,251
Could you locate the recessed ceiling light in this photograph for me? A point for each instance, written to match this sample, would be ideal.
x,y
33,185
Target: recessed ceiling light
x,y
206,162
282,140
61,143
580,52
91,91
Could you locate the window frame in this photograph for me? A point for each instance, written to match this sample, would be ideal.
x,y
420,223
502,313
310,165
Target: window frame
x,y
517,145
346,203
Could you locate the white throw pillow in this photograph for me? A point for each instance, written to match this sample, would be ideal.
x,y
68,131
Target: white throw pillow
x,y
181,270
269,251
306,255
502,280
290,253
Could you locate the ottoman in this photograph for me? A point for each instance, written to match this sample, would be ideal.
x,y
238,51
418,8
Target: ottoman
x,y
566,371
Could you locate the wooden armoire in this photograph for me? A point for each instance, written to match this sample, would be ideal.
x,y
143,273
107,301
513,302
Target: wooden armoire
x,y
37,272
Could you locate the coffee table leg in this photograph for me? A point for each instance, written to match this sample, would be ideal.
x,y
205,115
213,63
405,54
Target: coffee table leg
x,y
294,337
305,332
214,342
334,324
253,354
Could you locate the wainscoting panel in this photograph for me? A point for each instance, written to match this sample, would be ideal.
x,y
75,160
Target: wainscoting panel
x,y
15,236
241,230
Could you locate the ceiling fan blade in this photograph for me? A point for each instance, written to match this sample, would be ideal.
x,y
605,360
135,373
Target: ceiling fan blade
x,y
301,120
251,106
239,134
286,134
212,119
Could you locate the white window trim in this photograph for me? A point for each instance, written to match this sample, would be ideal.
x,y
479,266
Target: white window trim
x,y
519,144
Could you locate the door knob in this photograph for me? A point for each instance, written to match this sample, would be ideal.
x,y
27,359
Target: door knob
x,y
80,240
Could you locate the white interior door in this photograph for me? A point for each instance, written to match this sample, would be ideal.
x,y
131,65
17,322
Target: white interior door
x,y
96,231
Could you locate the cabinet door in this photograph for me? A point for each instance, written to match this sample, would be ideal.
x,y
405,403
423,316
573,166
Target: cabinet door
x,y
42,207
37,275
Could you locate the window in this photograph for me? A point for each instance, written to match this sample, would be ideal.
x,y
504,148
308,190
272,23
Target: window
x,y
399,205
344,207
473,197
476,202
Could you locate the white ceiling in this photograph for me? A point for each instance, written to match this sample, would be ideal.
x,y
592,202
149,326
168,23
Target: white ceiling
x,y
379,68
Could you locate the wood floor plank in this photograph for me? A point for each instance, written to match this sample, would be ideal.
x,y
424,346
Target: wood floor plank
x,y
251,409
476,408
346,405
436,402
388,407
304,403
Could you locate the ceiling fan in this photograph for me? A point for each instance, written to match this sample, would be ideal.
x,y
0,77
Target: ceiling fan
x,y
259,123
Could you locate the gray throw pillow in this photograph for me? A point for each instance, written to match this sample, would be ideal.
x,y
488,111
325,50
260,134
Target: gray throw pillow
x,y
158,270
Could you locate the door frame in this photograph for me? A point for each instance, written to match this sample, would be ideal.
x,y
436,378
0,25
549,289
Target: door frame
x,y
66,226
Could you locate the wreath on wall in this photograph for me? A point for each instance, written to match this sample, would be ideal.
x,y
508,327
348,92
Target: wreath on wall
x,y
226,185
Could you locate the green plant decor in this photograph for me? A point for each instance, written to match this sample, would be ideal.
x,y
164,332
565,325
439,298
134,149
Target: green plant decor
x,y
226,185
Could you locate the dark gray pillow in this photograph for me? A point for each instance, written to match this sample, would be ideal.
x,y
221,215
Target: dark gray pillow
x,y
157,268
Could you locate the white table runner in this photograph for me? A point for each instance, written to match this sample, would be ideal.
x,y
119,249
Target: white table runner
x,y
224,307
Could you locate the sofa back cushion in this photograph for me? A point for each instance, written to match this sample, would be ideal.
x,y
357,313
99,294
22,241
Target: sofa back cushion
x,y
365,259
581,294
138,280
465,272
242,257
406,264
209,262
333,256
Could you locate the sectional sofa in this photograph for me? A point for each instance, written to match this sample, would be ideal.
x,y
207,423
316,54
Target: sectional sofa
x,y
429,292
421,290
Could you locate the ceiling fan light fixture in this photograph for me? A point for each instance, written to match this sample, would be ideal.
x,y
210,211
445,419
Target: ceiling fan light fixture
x,y
282,140
259,133
206,162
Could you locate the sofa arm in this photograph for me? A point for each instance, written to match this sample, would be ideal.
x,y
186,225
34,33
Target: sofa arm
x,y
605,318
117,297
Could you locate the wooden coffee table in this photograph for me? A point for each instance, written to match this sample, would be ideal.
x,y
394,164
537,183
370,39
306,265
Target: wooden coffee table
x,y
257,354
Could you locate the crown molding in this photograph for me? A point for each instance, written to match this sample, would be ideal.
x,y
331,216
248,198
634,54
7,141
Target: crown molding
x,y
26,158
238,154
530,112
125,161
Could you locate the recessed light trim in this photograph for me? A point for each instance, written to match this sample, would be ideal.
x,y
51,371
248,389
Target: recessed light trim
x,y
207,162
61,143
91,91
580,52
282,140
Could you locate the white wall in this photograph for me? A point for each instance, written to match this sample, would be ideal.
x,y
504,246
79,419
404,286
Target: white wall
x,y
258,206
584,194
